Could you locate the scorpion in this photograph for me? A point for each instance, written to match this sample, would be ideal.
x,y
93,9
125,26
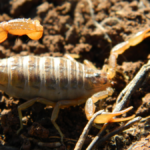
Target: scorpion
x,y
59,82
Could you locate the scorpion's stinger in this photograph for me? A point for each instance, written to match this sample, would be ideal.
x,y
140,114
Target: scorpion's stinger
x,y
108,117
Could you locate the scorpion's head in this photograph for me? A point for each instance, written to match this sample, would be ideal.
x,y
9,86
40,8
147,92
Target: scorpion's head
x,y
97,80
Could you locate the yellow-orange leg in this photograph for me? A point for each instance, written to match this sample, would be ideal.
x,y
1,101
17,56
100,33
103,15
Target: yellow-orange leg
x,y
28,104
71,57
89,64
122,47
57,106
86,62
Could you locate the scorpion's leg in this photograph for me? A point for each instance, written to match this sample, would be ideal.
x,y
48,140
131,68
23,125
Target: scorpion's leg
x,y
63,104
28,104
3,34
86,62
122,47
71,57
89,64
57,106
107,117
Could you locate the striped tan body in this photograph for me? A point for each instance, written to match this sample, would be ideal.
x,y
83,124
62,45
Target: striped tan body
x,y
48,77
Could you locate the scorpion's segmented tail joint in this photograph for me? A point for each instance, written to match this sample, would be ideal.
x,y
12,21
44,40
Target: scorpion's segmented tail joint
x,y
32,28
3,34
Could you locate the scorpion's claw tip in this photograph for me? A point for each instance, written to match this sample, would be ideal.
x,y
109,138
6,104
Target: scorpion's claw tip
x,y
109,117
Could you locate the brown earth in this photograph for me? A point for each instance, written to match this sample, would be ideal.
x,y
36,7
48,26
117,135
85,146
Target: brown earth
x,y
69,28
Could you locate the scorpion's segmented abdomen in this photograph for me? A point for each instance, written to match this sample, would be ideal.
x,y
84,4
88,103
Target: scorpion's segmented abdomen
x,y
48,77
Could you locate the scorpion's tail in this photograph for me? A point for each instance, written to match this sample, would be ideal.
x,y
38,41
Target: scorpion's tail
x,y
3,35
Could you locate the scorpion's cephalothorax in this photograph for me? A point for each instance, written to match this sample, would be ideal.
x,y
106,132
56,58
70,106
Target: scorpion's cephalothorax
x,y
97,80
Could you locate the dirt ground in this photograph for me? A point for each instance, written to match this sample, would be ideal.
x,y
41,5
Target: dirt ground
x,y
70,27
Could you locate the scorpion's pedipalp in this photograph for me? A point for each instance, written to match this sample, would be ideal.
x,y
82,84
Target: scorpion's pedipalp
x,y
90,106
136,39
121,48
139,37
118,49
122,119
108,117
